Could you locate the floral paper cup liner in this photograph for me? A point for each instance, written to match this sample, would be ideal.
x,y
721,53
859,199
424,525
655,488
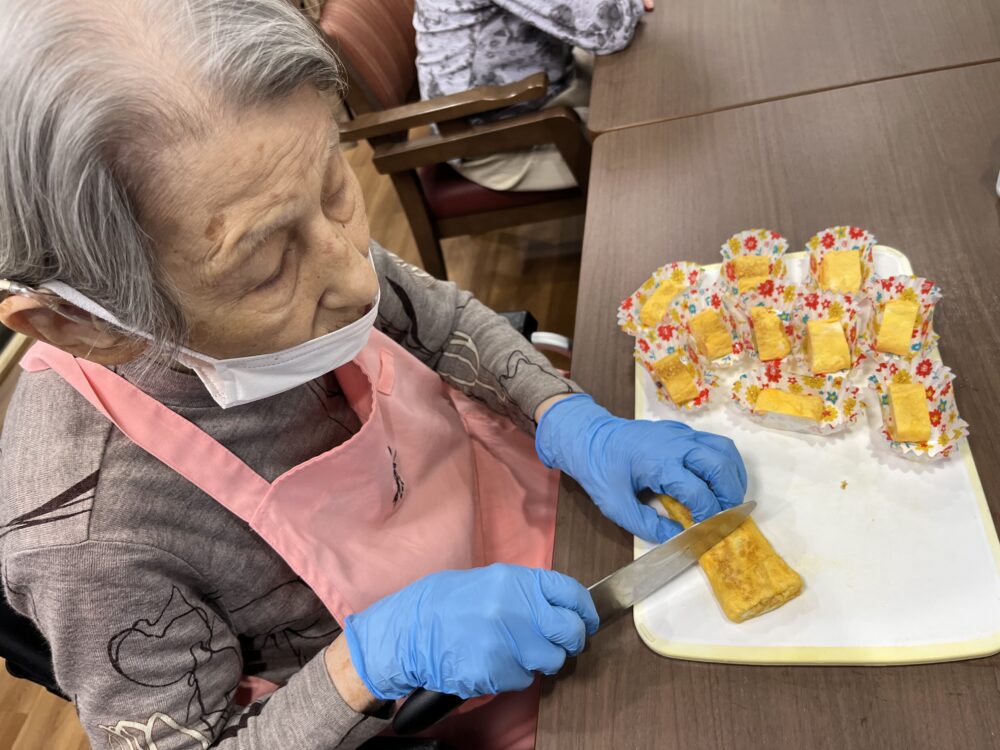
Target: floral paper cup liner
x,y
842,401
710,297
947,427
682,274
777,296
925,293
817,305
841,238
653,345
760,242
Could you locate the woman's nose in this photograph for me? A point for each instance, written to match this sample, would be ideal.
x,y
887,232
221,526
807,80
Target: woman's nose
x,y
356,287
348,276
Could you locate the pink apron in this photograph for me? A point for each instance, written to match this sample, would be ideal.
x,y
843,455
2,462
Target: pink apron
x,y
433,480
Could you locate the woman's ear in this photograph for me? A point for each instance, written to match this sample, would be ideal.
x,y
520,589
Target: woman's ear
x,y
93,341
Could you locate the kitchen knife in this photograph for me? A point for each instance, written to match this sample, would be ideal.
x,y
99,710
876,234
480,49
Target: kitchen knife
x,y
613,596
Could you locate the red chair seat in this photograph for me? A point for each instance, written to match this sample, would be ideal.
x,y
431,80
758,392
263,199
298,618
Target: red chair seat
x,y
450,195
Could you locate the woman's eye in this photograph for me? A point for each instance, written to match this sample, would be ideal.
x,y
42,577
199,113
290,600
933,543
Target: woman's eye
x,y
275,277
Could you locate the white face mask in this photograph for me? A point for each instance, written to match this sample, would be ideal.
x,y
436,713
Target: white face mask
x,y
232,382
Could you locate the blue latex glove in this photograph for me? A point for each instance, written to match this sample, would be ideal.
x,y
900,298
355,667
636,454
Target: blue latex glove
x,y
615,458
470,632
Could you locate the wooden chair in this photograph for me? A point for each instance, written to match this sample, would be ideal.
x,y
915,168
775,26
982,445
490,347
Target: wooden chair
x,y
22,647
376,42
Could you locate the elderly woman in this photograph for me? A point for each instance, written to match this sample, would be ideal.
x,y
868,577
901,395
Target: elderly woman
x,y
257,468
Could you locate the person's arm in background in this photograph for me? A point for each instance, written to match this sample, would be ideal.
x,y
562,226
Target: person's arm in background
x,y
150,661
598,26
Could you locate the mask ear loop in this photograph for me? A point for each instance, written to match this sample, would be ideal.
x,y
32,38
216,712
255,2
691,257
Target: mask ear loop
x,y
61,307
55,303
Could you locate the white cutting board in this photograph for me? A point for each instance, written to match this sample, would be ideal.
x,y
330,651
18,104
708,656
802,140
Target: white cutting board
x,y
900,566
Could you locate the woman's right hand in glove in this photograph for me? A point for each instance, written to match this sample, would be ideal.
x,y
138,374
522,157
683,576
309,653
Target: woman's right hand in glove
x,y
470,632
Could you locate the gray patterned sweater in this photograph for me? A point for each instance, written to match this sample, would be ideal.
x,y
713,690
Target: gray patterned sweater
x,y
462,44
154,598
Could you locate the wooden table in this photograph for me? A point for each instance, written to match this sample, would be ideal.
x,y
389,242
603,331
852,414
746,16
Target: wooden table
x,y
690,57
915,160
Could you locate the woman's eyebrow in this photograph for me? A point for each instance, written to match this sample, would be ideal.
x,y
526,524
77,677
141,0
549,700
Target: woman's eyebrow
x,y
332,144
332,138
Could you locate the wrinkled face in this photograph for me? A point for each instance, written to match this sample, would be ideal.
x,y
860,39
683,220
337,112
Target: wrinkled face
x,y
261,227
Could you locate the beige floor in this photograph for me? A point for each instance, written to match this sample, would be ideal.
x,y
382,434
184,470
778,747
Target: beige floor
x,y
529,268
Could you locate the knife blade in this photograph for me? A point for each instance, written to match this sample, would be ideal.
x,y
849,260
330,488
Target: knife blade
x,y
613,596
620,591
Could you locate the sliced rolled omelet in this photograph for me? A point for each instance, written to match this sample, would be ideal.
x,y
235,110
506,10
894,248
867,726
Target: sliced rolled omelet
x,y
747,576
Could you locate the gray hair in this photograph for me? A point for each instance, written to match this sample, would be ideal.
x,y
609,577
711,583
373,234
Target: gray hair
x,y
90,92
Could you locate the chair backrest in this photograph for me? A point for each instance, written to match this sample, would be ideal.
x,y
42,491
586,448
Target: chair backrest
x,y
377,43
24,650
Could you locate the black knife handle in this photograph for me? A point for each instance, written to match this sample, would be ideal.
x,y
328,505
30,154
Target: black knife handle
x,y
422,710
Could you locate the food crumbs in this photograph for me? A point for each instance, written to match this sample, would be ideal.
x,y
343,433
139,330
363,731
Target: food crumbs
x,y
843,484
